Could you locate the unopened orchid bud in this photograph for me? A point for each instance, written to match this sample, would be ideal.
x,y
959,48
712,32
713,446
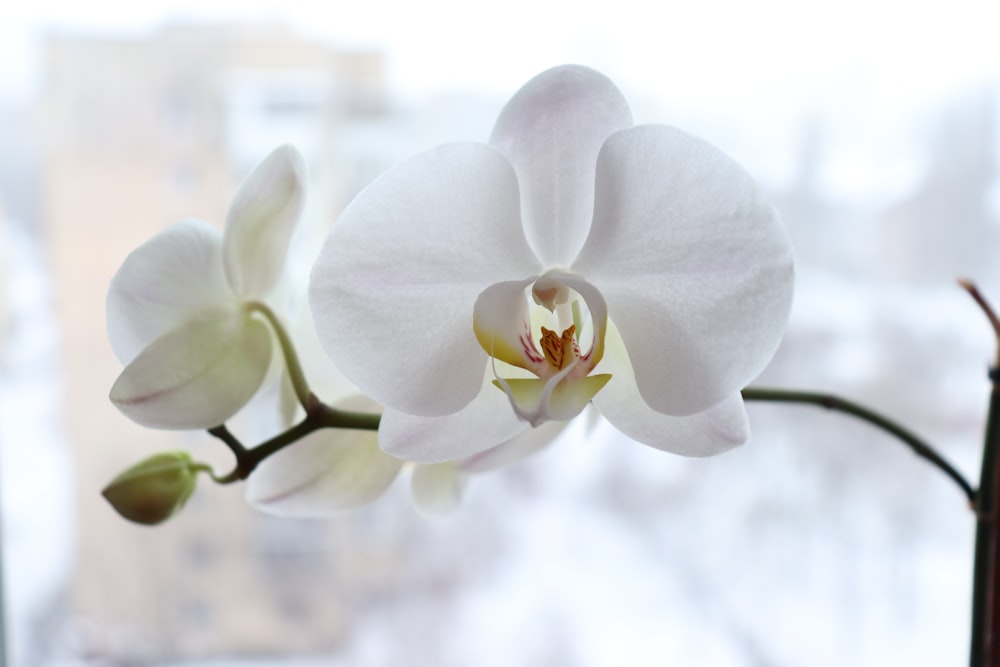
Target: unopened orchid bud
x,y
153,490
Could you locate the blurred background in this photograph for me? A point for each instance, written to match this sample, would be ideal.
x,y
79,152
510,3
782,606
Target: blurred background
x,y
874,126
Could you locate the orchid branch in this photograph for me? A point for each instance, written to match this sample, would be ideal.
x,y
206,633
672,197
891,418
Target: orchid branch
x,y
985,615
831,402
319,415
986,568
988,311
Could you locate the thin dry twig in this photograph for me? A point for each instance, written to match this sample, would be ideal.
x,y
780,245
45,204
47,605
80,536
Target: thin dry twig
x,y
987,309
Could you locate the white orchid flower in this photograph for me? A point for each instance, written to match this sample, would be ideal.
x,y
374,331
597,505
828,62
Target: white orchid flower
x,y
476,289
182,313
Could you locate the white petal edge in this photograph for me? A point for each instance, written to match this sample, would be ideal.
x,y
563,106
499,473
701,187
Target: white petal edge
x,y
694,263
325,379
514,450
436,488
326,472
197,376
551,130
261,223
717,429
393,290
484,423
502,324
162,283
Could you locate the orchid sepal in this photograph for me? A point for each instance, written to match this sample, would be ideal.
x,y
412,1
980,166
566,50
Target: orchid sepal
x,y
261,222
197,376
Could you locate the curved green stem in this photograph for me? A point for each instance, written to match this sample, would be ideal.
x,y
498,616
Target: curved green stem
x,y
295,373
319,416
218,479
918,446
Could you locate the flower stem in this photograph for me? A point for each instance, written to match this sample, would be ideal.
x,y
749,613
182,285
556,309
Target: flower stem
x,y
918,446
985,599
292,364
218,479
318,416
988,311
986,569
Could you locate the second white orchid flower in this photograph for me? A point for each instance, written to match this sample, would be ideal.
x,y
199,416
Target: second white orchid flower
x,y
181,309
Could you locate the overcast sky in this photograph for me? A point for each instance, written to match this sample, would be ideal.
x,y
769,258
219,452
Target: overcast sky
x,y
718,51
871,71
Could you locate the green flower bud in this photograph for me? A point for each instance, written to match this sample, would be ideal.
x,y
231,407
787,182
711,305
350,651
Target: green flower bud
x,y
155,489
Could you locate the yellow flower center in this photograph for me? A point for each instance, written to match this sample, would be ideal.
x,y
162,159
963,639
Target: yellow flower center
x,y
563,384
559,350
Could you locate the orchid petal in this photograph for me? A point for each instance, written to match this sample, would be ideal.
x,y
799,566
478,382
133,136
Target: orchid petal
x,y
393,288
326,471
162,283
261,222
197,376
517,448
551,131
694,264
324,379
484,423
502,324
715,430
436,488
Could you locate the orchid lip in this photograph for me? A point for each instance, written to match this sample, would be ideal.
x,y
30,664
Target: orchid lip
x,y
513,330
540,414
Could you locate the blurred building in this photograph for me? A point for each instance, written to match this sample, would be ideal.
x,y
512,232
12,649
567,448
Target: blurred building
x,y
137,134
947,226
